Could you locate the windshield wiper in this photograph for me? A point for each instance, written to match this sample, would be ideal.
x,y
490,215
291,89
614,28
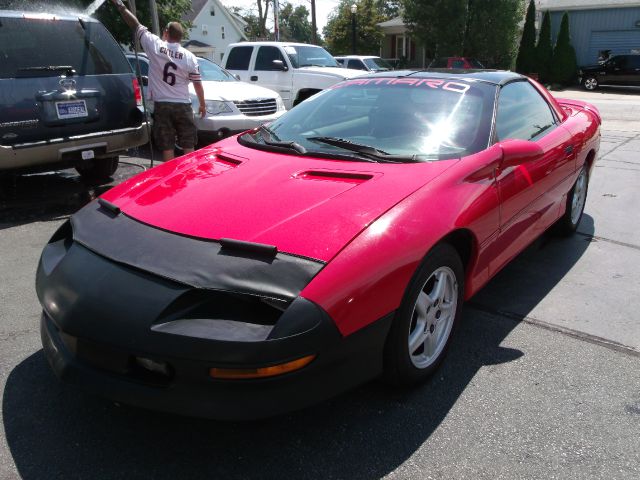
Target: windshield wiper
x,y
68,69
291,145
365,150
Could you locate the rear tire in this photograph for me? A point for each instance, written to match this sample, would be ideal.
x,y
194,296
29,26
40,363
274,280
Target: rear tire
x,y
100,171
576,200
422,327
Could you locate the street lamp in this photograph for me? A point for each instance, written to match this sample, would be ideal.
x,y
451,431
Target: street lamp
x,y
354,9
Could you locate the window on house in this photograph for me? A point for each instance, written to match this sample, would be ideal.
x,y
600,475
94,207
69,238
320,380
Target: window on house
x,y
212,11
222,30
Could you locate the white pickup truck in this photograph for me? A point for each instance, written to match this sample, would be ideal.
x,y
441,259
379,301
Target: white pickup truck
x,y
294,70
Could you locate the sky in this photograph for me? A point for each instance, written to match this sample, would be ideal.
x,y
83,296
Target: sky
x,y
323,9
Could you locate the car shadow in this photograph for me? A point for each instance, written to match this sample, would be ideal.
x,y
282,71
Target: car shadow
x,y
52,195
55,431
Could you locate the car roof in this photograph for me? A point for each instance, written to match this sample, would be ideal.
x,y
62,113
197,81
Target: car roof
x,y
495,77
46,16
357,56
266,42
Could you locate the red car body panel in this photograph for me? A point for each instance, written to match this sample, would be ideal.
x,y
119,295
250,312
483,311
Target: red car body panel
x,y
304,206
381,218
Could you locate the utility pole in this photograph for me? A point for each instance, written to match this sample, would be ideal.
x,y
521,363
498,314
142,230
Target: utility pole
x,y
276,20
314,36
155,23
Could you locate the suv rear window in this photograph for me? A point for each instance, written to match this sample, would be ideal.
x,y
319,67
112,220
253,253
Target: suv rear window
x,y
29,44
239,58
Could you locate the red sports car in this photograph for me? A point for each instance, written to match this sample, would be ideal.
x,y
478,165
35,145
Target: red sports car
x,y
287,264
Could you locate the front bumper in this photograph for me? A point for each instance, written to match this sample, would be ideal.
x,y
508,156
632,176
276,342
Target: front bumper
x,y
101,317
224,125
67,150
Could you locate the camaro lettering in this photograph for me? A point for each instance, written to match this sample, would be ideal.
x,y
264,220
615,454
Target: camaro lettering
x,y
414,82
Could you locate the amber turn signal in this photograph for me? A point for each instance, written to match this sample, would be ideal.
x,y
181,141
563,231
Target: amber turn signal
x,y
262,372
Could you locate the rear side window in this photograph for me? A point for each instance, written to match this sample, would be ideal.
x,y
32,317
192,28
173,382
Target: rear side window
x,y
522,113
29,46
635,61
238,58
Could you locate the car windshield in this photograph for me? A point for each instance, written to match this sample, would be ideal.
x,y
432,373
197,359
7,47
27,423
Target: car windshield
x,y
414,119
377,64
307,56
211,72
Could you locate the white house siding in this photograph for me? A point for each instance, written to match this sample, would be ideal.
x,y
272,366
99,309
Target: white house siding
x,y
215,30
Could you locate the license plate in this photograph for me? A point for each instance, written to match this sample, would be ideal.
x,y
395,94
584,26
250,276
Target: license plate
x,y
71,109
87,154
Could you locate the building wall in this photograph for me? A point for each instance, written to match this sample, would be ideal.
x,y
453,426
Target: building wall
x,y
592,28
214,25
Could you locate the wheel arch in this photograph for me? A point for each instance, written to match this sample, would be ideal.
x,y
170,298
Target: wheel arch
x,y
305,93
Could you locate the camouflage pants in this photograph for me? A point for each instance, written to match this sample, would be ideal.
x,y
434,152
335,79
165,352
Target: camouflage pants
x,y
173,121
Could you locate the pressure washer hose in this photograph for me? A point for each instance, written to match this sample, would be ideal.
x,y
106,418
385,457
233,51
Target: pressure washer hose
x,y
144,97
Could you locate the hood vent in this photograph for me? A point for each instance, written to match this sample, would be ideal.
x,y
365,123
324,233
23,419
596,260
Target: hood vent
x,y
336,176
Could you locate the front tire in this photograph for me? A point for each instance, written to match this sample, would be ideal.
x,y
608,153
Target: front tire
x,y
590,83
422,328
576,200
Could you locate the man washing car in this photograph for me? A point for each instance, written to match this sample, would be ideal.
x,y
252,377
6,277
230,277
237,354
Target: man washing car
x,y
171,68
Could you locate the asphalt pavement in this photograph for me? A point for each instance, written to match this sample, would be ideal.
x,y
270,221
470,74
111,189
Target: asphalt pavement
x,y
542,380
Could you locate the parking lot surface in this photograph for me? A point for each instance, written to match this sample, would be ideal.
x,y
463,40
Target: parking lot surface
x,y
542,380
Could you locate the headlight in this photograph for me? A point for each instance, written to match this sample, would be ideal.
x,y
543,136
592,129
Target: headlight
x,y
216,107
280,104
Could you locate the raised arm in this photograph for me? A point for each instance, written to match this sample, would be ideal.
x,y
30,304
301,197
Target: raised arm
x,y
128,17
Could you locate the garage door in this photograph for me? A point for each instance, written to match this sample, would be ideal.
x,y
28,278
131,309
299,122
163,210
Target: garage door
x,y
619,42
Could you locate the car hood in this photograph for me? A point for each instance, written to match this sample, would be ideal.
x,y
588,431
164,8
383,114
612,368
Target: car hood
x,y
233,91
343,73
304,206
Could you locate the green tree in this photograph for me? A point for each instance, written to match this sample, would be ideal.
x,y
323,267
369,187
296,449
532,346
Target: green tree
x,y
252,30
294,24
544,50
564,66
526,62
337,31
168,11
437,24
389,8
491,31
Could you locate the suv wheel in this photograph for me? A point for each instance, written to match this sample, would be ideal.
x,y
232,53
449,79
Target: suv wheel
x,y
100,170
590,83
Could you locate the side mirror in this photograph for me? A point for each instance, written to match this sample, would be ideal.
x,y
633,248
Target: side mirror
x,y
145,80
280,65
517,152
237,76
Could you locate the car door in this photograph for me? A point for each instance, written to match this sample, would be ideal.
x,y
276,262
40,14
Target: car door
x,y
529,197
269,73
617,70
631,71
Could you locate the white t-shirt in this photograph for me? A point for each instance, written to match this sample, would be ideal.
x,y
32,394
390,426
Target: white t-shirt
x,y
171,68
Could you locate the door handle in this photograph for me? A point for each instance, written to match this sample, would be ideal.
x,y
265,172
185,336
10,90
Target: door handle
x,y
568,149
254,78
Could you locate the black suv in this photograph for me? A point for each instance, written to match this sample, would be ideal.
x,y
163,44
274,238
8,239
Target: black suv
x,y
617,70
68,96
